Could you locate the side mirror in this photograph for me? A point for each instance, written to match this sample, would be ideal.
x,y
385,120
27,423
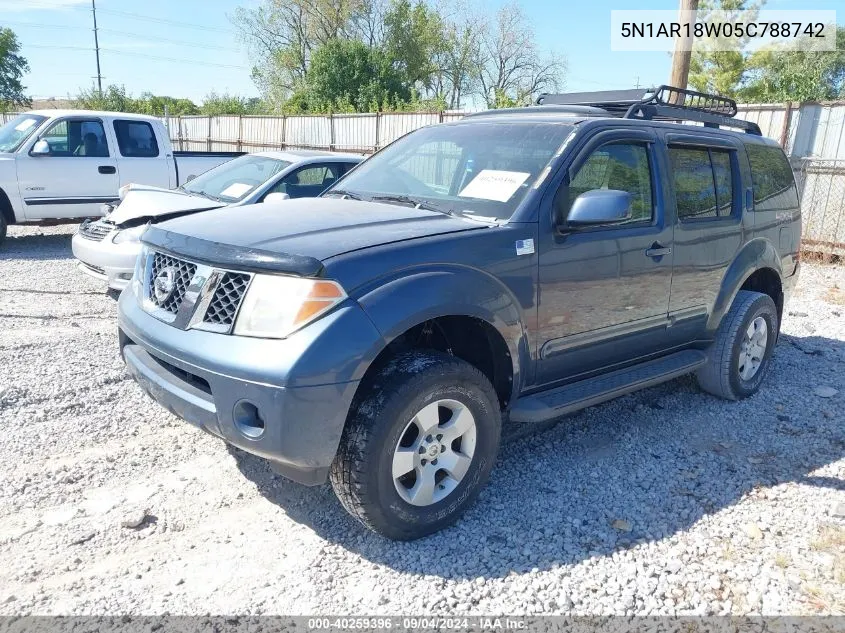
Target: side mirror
x,y
600,206
276,196
41,148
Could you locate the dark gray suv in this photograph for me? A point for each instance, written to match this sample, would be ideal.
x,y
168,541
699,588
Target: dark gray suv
x,y
509,268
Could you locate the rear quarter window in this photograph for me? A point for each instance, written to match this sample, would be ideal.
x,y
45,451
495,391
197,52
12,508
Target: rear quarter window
x,y
772,179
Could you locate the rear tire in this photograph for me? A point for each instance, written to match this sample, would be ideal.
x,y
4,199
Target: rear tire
x,y
418,446
739,356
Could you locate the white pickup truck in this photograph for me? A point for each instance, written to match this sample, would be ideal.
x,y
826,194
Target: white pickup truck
x,y
60,165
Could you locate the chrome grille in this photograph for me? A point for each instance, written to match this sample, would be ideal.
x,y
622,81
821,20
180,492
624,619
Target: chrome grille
x,y
96,231
183,273
227,298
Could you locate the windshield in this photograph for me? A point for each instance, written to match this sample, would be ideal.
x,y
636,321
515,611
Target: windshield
x,y
483,168
16,131
234,180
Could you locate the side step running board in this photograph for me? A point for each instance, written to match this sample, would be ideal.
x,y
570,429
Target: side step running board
x,y
547,405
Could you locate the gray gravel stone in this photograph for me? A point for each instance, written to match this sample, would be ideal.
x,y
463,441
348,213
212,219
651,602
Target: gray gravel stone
x,y
81,445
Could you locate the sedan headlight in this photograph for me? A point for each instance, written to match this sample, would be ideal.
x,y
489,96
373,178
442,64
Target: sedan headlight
x,y
129,235
275,306
138,274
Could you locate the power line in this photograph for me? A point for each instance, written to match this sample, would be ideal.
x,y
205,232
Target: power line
x,y
148,18
132,54
140,37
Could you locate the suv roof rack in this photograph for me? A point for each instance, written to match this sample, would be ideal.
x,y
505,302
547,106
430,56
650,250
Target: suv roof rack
x,y
664,103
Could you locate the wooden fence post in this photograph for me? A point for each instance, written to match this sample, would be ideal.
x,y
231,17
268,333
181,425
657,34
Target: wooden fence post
x,y
331,131
208,140
284,131
240,132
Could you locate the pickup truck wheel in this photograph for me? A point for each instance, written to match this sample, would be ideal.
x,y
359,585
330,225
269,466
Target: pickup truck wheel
x,y
418,446
738,358
3,228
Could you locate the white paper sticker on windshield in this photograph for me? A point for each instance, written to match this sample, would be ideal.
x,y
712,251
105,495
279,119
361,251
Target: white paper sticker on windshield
x,y
25,125
492,184
235,190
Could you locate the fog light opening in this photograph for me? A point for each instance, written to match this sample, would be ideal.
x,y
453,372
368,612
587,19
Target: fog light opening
x,y
248,420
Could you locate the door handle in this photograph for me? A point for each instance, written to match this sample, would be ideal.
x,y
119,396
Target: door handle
x,y
657,250
107,169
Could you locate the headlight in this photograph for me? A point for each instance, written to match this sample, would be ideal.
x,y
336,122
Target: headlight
x,y
129,235
276,306
138,275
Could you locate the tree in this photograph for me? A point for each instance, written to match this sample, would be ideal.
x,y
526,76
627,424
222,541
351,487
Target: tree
x,y
414,40
722,71
282,34
113,99
219,104
777,76
348,75
12,68
511,67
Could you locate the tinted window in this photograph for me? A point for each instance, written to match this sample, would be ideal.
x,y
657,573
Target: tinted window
x,y
136,139
308,182
724,181
622,166
771,176
695,190
76,137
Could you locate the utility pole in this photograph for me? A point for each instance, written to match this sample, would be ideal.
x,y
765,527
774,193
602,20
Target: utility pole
x,y
97,49
683,49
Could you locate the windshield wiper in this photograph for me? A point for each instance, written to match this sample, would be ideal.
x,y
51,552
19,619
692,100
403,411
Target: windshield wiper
x,y
343,193
204,195
417,204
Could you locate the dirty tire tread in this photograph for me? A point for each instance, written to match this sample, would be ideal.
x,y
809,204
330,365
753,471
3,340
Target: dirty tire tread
x,y
349,472
4,226
715,376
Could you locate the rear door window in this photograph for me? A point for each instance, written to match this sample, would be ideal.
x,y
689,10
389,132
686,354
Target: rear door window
x,y
136,139
703,181
772,179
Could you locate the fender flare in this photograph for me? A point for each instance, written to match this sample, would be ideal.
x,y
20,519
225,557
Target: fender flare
x,y
411,297
757,254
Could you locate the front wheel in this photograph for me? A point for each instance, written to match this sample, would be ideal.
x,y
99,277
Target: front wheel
x,y
740,355
4,226
418,446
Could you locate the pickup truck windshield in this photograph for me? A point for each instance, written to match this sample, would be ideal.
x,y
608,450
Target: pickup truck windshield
x,y
480,167
233,180
16,131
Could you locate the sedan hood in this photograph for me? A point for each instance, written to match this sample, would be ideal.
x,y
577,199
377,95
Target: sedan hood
x,y
315,228
153,202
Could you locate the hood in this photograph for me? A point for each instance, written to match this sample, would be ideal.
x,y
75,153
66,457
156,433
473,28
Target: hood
x,y
317,228
152,202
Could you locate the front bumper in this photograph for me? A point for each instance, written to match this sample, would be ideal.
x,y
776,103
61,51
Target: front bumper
x,y
105,260
267,397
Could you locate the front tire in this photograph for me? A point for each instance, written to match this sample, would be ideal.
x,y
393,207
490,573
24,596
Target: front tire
x,y
739,356
4,226
418,446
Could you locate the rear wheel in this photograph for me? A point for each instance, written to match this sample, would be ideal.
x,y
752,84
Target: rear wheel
x,y
739,357
418,446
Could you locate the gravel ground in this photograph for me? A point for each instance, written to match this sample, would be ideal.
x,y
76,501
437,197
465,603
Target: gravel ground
x,y
668,501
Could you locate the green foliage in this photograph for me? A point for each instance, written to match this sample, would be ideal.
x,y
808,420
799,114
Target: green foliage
x,y
216,104
776,76
348,76
415,37
12,68
115,99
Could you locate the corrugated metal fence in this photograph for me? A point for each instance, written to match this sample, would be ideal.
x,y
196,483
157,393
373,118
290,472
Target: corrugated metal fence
x,y
812,134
